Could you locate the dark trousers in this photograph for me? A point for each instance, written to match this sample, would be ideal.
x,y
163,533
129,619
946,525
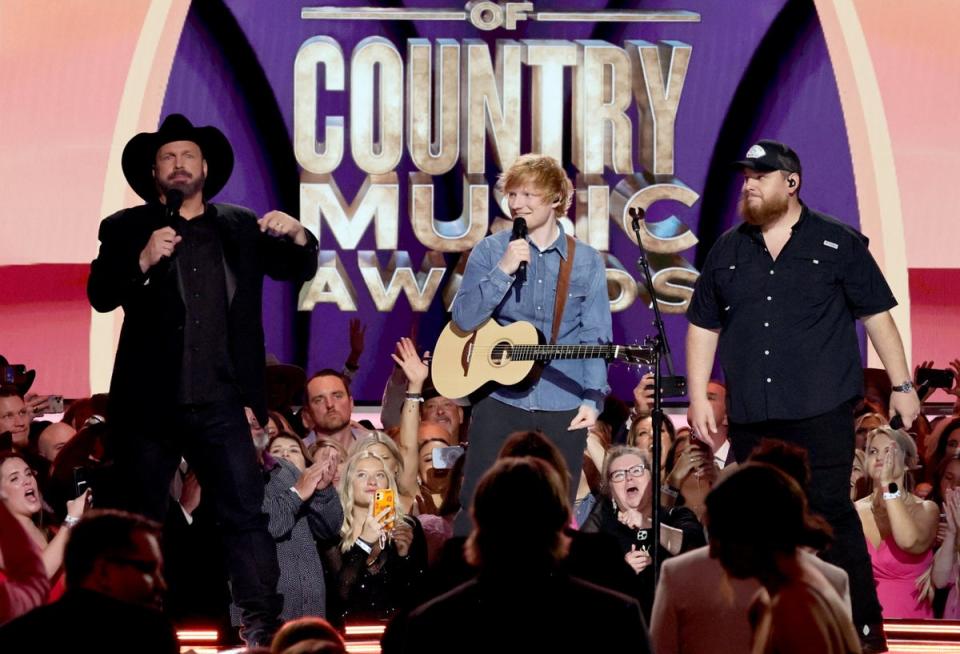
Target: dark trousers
x,y
829,441
491,422
215,440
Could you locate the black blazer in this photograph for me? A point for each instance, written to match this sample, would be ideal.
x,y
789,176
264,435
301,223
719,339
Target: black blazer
x,y
146,373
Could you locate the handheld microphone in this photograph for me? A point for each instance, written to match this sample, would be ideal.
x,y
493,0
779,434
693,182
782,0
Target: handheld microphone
x,y
174,199
520,231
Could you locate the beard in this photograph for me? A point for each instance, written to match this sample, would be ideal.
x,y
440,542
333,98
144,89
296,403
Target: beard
x,y
765,212
184,182
331,421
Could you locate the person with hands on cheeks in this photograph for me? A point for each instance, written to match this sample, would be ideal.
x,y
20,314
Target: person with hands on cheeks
x,y
373,570
946,562
568,396
693,472
900,528
626,513
303,507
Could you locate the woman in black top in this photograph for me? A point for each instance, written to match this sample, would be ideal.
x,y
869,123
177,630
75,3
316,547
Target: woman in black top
x,y
625,512
373,571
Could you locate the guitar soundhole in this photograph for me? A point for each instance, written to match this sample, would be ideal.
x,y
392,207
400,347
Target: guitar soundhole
x,y
500,353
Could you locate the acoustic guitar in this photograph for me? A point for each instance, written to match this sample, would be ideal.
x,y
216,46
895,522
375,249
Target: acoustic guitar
x,y
465,361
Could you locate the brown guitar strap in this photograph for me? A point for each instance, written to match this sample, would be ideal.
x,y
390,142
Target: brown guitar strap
x,y
563,283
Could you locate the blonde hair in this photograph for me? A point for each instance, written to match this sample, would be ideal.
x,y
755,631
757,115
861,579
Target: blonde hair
x,y
347,499
546,174
381,438
905,444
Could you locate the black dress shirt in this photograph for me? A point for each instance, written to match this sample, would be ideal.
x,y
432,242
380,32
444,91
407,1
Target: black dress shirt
x,y
788,340
206,373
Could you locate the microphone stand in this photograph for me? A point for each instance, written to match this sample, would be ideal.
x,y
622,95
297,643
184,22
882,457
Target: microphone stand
x,y
661,350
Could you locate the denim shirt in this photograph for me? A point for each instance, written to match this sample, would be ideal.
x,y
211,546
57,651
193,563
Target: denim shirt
x,y
487,291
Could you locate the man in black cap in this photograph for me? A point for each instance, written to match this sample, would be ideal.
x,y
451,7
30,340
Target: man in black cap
x,y
779,297
189,276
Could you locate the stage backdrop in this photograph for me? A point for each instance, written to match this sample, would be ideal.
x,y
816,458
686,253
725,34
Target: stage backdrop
x,y
386,137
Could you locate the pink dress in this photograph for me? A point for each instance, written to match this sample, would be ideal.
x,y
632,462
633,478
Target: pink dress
x,y
896,573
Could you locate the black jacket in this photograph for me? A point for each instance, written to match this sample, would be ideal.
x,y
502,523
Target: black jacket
x,y
85,621
146,372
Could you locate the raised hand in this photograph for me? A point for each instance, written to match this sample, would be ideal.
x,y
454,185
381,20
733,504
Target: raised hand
x,y
413,367
358,331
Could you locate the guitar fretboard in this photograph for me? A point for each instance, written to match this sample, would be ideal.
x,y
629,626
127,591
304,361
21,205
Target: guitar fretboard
x,y
550,352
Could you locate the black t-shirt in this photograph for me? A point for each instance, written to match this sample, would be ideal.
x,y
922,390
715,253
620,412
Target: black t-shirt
x,y
788,340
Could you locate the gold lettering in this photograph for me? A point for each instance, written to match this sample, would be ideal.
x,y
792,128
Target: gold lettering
x,y
621,286
314,155
378,200
602,131
456,235
673,280
490,105
376,151
657,92
666,236
546,60
385,285
330,284
593,211
434,157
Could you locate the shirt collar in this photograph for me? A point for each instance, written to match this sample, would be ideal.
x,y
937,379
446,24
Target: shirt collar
x,y
559,244
754,230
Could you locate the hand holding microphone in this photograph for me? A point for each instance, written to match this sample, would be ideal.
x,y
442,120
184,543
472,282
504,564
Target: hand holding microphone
x,y
163,241
515,259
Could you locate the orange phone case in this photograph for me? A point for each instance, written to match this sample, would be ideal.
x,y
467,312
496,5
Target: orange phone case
x,y
382,500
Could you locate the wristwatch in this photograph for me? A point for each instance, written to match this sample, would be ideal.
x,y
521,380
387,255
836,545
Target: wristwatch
x,y
905,387
892,492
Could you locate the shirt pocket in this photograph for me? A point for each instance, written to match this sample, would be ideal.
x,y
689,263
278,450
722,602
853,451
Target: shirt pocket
x,y
733,282
813,275
576,298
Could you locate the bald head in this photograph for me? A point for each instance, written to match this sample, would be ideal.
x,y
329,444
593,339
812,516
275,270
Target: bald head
x,y
53,438
433,431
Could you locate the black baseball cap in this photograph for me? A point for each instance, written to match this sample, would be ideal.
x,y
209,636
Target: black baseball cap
x,y
766,155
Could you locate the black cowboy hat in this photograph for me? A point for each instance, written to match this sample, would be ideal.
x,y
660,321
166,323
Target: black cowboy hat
x,y
140,154
22,379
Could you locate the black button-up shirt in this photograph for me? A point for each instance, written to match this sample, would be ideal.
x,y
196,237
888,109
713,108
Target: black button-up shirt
x,y
788,341
206,373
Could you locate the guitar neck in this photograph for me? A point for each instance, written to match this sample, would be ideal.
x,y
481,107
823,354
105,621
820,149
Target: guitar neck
x,y
551,352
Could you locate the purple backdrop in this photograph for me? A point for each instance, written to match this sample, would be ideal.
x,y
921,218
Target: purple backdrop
x,y
758,69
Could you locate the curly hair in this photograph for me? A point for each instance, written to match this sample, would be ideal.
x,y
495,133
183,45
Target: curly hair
x,y
347,499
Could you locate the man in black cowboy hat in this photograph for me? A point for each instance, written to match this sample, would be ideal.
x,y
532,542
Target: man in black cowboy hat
x,y
778,299
189,276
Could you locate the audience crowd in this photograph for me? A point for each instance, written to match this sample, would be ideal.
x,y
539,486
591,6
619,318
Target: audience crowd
x,y
362,519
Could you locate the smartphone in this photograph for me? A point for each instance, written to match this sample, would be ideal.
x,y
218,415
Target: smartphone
x,y
55,404
80,481
383,499
445,457
935,378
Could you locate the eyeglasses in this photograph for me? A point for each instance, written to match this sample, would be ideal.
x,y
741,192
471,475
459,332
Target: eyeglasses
x,y
635,472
